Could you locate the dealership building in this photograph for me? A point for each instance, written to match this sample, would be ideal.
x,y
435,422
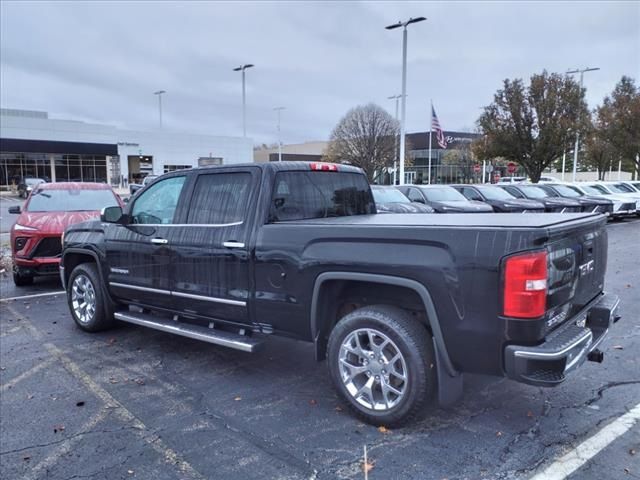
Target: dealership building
x,y
417,150
34,145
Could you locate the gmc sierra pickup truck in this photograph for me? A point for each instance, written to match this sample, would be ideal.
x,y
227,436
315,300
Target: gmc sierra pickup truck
x,y
400,306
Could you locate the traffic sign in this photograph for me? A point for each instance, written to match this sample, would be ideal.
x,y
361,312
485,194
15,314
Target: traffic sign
x,y
511,167
476,168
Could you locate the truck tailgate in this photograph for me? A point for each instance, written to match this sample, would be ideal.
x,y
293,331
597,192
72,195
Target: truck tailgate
x,y
577,266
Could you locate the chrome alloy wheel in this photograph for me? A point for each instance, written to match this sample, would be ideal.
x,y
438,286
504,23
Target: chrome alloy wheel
x,y
83,298
373,369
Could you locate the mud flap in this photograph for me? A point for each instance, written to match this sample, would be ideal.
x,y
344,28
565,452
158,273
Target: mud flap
x,y
449,388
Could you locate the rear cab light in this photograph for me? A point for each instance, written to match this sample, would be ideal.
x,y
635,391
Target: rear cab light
x,y
525,285
324,167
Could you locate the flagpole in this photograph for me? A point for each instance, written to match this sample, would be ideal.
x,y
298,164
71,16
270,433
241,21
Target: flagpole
x,y
430,131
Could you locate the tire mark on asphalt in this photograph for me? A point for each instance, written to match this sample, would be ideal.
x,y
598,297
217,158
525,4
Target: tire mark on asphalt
x,y
25,375
169,455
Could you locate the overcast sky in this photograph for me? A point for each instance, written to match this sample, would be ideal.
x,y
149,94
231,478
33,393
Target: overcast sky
x,y
102,61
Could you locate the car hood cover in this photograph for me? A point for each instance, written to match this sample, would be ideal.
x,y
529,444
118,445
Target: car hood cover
x,y
54,222
403,207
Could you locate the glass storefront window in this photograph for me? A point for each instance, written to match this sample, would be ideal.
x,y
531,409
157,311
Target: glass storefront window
x,y
68,168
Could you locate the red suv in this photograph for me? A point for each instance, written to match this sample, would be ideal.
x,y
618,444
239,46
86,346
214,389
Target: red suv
x,y
36,236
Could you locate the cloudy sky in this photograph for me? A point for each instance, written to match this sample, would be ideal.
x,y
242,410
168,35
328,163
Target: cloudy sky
x,y
102,61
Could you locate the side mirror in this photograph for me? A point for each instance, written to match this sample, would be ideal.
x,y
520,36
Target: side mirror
x,y
111,214
15,210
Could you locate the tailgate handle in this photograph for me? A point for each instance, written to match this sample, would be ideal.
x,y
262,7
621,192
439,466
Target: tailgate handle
x,y
159,241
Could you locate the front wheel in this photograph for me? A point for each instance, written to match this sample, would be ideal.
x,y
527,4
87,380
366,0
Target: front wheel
x,y
89,306
21,280
382,363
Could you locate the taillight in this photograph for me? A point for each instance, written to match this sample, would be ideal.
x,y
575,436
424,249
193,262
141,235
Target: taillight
x,y
327,167
525,285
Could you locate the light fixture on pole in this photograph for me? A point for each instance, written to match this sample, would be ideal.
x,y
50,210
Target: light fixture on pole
x,y
279,109
159,93
404,85
575,151
242,68
395,151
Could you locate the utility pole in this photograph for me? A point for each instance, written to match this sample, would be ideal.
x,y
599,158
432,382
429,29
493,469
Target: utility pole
x,y
575,152
404,25
242,68
279,109
395,154
159,93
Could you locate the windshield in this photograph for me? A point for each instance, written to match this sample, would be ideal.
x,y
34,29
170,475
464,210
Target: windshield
x,y
492,193
600,189
72,200
566,191
534,192
33,181
621,188
590,190
389,195
444,194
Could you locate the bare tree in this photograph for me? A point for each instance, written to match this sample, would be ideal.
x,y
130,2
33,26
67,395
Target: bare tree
x,y
463,158
364,137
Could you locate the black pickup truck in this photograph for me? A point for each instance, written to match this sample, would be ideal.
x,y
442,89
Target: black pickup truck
x,y
399,305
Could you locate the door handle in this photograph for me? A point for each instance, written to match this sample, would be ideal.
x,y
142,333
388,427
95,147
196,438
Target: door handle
x,y
159,241
232,244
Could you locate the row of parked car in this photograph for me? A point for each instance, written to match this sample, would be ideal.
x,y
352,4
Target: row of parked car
x,y
615,199
51,207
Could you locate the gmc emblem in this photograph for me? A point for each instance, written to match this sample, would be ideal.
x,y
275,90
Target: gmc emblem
x,y
587,268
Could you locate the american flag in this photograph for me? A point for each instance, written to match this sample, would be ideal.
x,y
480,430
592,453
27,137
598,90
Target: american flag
x,y
435,125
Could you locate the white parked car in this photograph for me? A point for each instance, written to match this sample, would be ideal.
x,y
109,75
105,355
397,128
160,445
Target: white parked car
x,y
622,206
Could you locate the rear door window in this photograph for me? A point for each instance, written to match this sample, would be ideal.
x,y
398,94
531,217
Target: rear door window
x,y
220,198
305,195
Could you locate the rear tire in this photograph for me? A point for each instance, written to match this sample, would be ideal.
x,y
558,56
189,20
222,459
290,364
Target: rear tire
x,y
90,307
21,280
382,362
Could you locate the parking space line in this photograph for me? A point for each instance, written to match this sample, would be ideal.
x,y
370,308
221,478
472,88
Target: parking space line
x,y
10,331
572,461
65,447
35,295
169,455
27,374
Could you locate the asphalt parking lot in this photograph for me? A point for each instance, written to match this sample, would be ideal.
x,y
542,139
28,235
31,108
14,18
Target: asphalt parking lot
x,y
136,403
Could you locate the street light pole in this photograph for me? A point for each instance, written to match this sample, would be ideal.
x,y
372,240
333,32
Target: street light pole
x,y
242,68
575,151
279,109
395,150
159,94
404,25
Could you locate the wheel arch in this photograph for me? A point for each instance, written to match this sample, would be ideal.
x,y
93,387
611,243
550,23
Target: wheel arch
x,y
325,285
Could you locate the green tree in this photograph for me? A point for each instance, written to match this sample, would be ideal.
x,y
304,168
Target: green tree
x,y
364,137
533,125
619,120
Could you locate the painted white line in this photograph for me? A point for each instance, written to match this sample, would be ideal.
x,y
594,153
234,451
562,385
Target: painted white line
x,y
27,374
65,447
35,295
153,440
572,461
10,331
